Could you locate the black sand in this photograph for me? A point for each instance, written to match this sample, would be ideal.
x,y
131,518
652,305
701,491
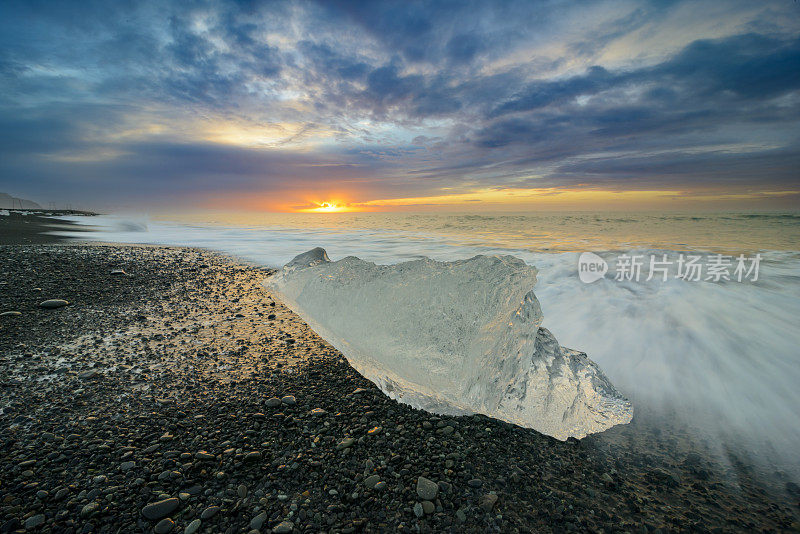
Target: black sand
x,y
35,228
153,386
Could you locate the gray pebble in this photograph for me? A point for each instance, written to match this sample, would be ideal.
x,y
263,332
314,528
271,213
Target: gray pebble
x,y
160,509
192,527
164,526
427,489
51,304
34,521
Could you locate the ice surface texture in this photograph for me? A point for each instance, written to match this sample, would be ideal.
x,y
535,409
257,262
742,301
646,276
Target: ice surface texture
x,y
455,337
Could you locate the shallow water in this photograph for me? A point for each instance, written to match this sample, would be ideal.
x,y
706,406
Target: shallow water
x,y
723,355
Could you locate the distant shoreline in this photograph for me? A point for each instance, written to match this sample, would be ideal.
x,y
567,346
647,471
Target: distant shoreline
x,y
34,226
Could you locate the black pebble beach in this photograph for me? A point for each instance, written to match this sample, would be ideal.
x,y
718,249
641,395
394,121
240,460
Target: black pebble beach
x,y
179,396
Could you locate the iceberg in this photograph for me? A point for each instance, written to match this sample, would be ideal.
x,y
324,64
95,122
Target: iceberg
x,y
456,337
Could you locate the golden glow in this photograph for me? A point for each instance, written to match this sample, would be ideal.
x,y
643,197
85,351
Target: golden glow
x,y
503,199
329,207
274,134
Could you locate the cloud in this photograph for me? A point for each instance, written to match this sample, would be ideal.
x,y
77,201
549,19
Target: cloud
x,y
401,99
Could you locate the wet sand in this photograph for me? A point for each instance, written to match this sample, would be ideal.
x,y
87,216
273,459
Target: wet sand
x,y
181,395
32,227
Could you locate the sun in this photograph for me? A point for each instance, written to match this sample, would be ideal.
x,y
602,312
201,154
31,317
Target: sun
x,y
329,207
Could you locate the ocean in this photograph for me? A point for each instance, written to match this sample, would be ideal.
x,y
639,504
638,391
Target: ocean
x,y
718,349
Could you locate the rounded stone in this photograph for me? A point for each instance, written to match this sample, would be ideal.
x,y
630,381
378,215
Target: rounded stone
x,y
160,509
192,527
427,489
51,304
164,526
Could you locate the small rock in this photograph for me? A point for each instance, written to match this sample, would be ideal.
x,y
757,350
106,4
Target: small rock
x,y
427,489
127,466
488,501
89,509
51,304
258,521
209,512
371,481
12,313
34,521
380,486
418,511
289,400
428,507
160,509
345,443
192,527
241,491
475,483
254,456
164,526
272,402
284,527
461,515
318,411
119,272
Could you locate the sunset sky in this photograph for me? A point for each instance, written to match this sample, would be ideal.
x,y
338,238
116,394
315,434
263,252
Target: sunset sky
x,y
284,106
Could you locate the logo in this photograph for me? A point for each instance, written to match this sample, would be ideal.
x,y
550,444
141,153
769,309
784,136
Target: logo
x,y
591,267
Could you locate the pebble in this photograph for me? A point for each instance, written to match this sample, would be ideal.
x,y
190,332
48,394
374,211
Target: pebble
x,y
192,527
164,526
318,411
12,313
475,483
428,507
371,481
51,304
427,489
418,511
160,509
258,521
253,456
119,272
284,527
345,443
89,509
488,501
34,521
272,402
289,400
209,512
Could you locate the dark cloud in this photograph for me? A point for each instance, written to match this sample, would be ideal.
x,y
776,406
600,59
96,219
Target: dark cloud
x,y
412,96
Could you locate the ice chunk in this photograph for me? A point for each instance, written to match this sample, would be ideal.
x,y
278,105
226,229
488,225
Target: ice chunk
x,y
456,337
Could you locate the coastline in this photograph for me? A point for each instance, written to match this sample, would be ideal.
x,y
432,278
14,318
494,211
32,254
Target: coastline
x,y
28,227
153,385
